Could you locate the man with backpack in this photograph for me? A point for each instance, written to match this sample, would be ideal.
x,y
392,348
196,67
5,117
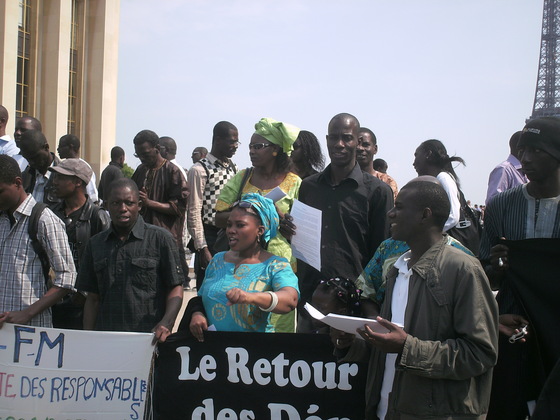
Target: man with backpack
x,y
83,219
25,295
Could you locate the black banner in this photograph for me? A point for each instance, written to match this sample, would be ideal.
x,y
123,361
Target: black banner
x,y
249,376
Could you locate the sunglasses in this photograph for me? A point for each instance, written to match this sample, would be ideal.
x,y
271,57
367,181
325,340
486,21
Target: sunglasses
x,y
245,205
258,146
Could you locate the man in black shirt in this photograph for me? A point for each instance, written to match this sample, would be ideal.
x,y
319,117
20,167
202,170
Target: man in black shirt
x,y
354,206
131,271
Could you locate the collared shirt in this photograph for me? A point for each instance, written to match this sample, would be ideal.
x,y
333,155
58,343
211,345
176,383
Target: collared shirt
x,y
111,173
354,218
40,185
131,277
198,178
8,146
22,281
398,310
506,175
40,182
166,185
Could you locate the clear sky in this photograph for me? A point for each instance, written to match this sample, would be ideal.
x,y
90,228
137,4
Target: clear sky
x,y
461,71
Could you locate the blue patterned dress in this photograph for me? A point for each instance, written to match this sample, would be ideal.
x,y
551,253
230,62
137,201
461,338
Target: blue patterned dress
x,y
221,276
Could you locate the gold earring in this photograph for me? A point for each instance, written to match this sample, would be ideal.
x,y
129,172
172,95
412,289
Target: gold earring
x,y
274,153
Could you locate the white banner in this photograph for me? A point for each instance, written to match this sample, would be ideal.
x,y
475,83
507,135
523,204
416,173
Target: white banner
x,y
55,374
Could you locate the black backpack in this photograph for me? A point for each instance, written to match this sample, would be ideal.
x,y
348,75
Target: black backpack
x,y
468,231
32,230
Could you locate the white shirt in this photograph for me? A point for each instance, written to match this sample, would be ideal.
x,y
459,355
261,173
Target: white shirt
x,y
91,189
398,310
450,187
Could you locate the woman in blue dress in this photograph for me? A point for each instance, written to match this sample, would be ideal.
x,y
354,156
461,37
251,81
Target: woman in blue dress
x,y
245,284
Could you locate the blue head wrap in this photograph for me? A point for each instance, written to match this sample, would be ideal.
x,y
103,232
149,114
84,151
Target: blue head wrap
x,y
267,212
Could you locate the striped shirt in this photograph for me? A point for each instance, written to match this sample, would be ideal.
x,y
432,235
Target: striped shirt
x,y
22,282
515,215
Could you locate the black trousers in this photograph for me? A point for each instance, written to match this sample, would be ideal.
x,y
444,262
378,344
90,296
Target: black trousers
x,y
210,233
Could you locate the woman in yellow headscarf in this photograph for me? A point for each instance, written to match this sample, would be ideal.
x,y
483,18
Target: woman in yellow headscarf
x,y
269,150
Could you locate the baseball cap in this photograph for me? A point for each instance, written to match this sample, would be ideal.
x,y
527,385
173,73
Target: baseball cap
x,y
74,167
542,133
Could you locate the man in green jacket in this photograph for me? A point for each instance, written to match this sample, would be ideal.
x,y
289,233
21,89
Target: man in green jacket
x,y
439,366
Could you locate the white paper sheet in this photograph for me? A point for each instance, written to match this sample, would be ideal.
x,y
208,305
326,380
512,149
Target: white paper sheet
x,y
345,323
276,194
306,243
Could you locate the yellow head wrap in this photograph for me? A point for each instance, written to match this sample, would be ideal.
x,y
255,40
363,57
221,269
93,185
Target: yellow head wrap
x,y
284,135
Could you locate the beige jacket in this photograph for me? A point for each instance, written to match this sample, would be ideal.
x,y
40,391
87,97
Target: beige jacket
x,y
445,369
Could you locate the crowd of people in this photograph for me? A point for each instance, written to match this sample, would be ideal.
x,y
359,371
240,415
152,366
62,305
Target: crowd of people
x,y
420,260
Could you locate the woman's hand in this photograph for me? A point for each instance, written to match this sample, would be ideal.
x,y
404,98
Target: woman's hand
x,y
198,325
238,296
287,227
287,299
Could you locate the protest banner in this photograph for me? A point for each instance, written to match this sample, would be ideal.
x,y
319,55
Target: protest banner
x,y
248,376
55,374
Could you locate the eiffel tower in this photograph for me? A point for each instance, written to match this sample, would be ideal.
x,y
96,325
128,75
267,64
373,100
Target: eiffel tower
x,y
547,94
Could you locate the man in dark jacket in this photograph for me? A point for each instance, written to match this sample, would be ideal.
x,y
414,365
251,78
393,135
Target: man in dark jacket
x,y
112,172
435,361
82,219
